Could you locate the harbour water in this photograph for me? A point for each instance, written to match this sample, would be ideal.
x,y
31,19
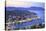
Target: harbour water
x,y
33,22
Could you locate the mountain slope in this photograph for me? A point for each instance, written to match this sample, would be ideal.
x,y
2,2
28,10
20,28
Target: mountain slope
x,y
22,8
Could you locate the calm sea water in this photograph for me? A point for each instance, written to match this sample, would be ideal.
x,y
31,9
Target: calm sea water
x,y
33,22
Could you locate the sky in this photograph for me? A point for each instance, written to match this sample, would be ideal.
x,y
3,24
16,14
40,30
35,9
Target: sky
x,y
13,3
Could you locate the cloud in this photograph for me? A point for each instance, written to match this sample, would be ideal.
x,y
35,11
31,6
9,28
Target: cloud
x,y
14,3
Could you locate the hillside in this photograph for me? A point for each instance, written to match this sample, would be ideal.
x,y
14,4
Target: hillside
x,y
22,8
